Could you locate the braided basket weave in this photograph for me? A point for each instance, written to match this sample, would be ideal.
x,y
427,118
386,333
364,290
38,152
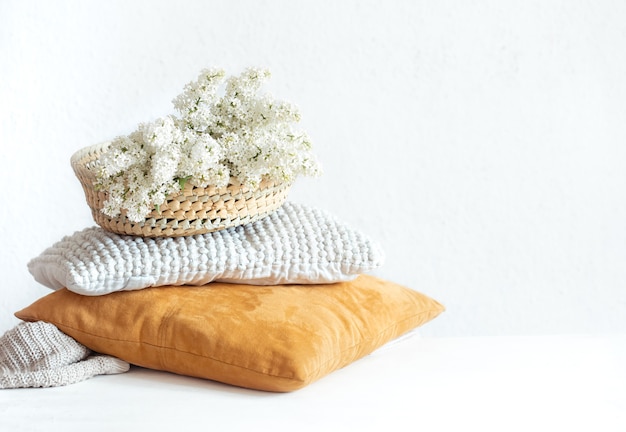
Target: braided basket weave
x,y
193,210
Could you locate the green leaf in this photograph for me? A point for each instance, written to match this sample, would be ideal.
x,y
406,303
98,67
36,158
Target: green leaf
x,y
182,181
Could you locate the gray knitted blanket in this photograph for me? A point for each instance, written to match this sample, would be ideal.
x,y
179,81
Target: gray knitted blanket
x,y
38,354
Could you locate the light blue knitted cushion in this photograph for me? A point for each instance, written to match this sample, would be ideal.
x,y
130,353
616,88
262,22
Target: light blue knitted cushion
x,y
296,244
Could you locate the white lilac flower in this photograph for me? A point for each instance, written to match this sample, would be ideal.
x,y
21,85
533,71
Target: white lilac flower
x,y
226,131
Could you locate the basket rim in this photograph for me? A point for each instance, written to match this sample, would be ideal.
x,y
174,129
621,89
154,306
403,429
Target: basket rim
x,y
79,164
77,158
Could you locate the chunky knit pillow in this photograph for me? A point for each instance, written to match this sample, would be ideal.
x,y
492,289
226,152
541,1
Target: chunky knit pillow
x,y
294,245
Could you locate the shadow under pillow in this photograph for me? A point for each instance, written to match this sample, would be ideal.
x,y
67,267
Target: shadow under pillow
x,y
274,338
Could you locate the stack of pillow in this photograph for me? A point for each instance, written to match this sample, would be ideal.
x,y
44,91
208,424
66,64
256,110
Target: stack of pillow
x,y
272,305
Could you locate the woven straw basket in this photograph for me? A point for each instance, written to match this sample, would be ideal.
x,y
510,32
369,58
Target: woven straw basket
x,y
192,211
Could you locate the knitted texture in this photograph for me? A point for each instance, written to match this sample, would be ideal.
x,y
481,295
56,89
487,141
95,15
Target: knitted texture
x,y
294,245
38,354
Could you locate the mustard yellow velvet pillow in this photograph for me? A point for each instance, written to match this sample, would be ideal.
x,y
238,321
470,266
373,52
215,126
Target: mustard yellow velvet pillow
x,y
277,338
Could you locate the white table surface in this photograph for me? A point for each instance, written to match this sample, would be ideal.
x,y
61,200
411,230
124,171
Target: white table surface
x,y
547,383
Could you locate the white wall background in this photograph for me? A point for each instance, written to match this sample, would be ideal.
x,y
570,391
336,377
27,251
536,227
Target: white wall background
x,y
481,142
